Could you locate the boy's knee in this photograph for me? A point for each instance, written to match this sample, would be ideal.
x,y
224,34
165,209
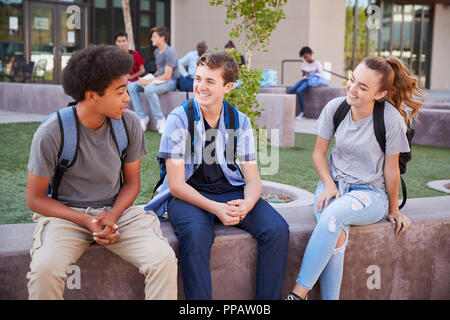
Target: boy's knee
x,y
133,87
149,89
162,257
279,230
48,268
195,236
300,90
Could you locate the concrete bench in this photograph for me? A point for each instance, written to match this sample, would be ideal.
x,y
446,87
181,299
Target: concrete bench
x,y
410,266
433,128
281,108
279,113
315,99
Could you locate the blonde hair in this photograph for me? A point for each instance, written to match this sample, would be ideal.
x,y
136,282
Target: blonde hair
x,y
400,85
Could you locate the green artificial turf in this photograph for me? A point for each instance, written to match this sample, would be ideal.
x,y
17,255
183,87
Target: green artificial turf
x,y
294,167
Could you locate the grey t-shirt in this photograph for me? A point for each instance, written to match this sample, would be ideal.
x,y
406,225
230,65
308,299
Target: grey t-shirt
x,y
356,157
168,58
94,179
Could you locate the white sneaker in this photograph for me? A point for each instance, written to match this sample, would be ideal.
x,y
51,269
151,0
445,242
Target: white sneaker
x,y
144,122
160,125
300,116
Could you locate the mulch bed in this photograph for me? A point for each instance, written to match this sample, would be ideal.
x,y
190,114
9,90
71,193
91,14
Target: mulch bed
x,y
275,198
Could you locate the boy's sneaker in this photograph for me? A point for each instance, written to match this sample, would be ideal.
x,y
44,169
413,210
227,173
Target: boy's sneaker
x,y
160,125
300,116
293,296
144,122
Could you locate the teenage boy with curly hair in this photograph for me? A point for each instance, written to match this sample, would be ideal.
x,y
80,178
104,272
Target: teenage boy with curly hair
x,y
92,204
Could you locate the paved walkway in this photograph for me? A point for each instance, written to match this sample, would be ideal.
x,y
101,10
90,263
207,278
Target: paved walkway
x,y
301,126
10,117
305,126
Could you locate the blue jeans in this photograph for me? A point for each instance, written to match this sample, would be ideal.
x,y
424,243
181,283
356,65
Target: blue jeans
x,y
361,205
194,229
151,92
298,88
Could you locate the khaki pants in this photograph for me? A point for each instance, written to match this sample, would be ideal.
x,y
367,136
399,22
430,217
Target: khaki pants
x,y
58,243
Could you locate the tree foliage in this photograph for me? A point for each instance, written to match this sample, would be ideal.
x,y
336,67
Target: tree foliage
x,y
252,23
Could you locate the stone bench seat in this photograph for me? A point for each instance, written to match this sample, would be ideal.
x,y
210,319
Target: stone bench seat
x,y
410,266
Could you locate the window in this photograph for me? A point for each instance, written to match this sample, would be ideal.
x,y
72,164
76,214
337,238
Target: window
x,y
11,32
405,33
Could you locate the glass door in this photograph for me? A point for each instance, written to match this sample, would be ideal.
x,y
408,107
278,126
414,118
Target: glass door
x,y
42,42
56,33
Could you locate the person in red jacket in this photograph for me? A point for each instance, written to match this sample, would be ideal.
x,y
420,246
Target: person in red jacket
x,y
121,41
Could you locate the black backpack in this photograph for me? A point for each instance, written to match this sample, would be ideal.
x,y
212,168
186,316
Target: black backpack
x,y
380,133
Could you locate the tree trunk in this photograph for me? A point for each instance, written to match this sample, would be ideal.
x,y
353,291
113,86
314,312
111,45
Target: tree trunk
x,y
128,24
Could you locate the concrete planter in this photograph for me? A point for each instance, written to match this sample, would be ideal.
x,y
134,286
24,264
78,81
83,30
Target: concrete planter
x,y
300,197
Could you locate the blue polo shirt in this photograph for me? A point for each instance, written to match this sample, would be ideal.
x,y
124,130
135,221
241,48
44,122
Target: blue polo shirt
x,y
173,146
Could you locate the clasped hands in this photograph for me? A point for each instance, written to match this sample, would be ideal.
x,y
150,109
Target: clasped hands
x,y
103,228
232,212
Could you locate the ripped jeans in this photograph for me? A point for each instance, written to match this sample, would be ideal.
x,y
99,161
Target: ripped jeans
x,y
361,205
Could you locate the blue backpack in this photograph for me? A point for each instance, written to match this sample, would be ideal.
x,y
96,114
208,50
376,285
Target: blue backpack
x,y
231,119
68,150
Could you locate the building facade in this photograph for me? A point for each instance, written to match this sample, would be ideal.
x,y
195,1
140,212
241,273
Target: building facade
x,y
49,31
340,32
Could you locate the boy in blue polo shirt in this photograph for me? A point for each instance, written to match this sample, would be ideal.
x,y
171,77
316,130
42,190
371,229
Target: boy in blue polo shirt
x,y
207,184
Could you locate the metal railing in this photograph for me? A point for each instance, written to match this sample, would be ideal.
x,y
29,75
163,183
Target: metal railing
x,y
300,60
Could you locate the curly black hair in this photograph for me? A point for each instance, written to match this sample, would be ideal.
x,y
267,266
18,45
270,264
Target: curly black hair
x,y
304,51
93,69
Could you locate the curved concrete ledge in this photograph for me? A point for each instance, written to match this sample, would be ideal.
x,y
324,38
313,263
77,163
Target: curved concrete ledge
x,y
300,197
439,185
410,266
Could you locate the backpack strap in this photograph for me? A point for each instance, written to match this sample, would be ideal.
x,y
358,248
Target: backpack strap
x,y
379,126
120,135
380,133
231,119
192,116
340,114
69,127
405,195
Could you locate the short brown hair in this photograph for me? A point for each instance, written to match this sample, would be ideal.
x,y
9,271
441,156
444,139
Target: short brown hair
x,y
161,31
220,59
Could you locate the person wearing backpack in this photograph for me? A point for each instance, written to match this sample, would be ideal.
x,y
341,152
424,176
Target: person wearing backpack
x,y
203,182
83,179
359,184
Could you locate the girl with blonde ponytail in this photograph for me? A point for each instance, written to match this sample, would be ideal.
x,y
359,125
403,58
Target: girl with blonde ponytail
x,y
359,183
